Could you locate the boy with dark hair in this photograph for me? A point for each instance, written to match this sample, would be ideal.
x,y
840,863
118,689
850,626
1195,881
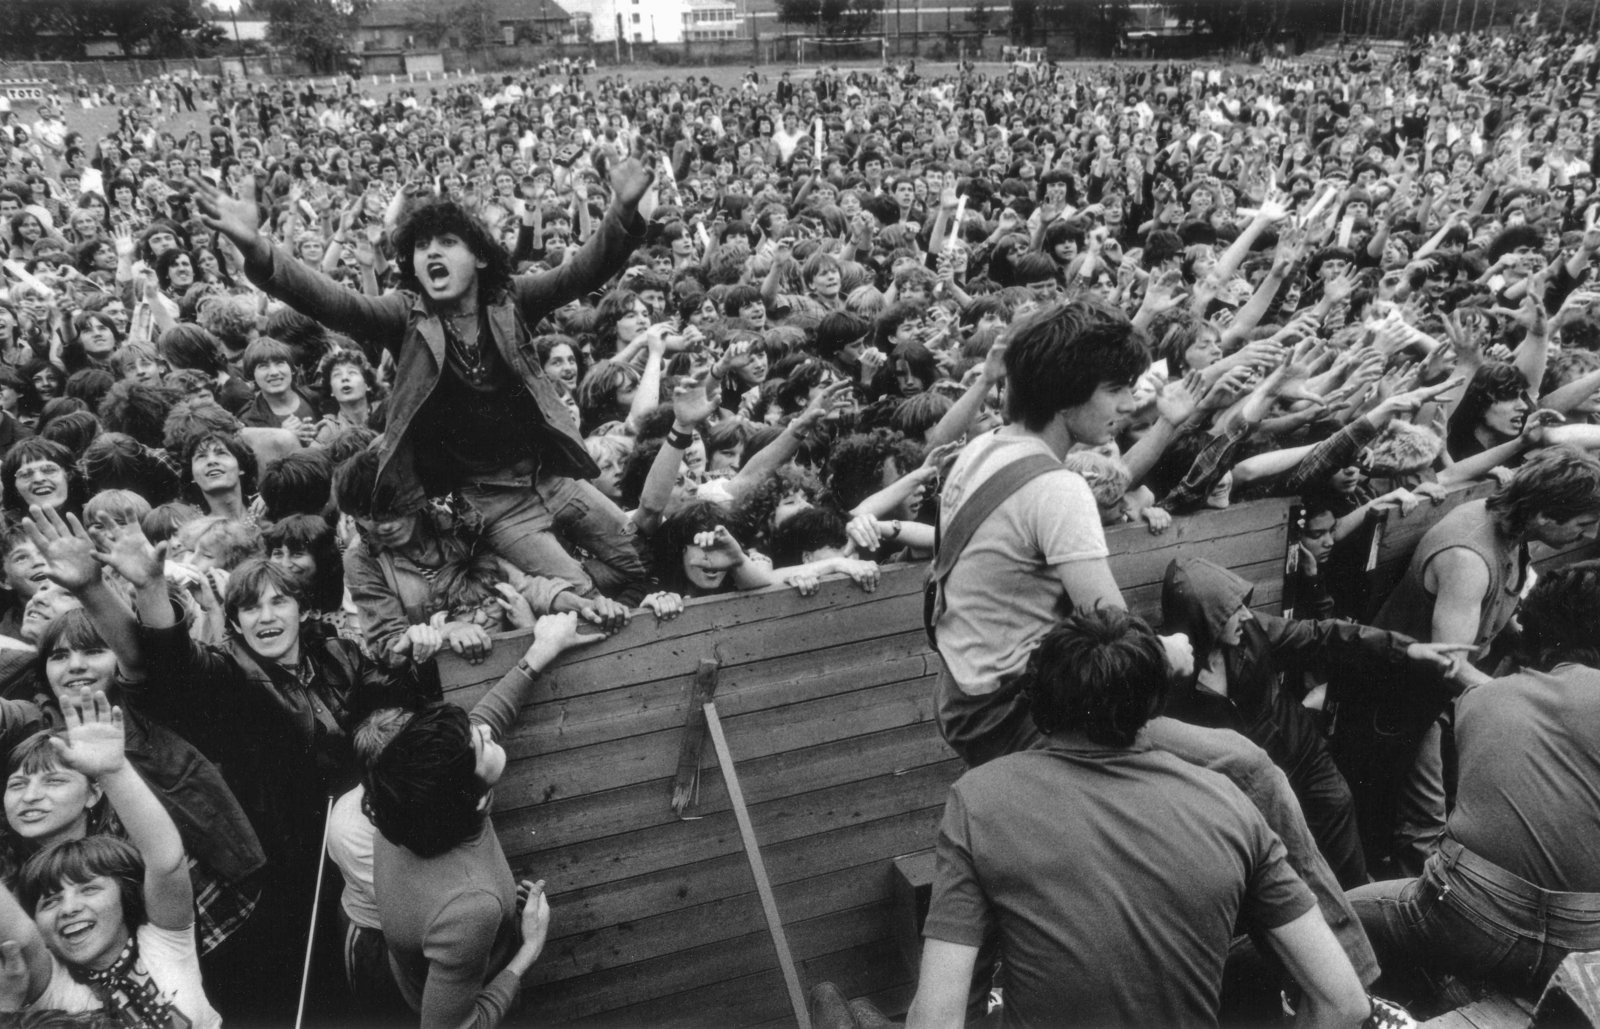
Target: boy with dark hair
x,y
446,897
269,363
473,410
1098,856
297,483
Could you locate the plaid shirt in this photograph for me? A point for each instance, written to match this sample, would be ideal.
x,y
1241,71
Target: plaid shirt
x,y
1207,469
1336,452
220,908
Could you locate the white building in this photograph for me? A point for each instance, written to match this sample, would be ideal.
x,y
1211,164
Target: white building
x,y
662,21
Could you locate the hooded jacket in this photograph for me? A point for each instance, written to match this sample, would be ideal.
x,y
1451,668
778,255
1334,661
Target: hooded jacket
x,y
1265,669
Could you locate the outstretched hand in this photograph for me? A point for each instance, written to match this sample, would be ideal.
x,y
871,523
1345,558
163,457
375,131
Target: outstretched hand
x,y
237,218
66,548
93,744
632,178
128,551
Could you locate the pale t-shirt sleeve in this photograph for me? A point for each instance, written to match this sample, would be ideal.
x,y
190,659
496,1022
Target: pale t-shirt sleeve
x,y
64,993
170,957
1059,513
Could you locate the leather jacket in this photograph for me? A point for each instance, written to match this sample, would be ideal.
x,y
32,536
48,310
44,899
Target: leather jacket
x,y
283,740
402,323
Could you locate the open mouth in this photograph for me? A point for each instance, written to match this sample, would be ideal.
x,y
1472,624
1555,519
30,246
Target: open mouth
x,y
75,932
31,816
438,274
270,633
42,489
38,578
79,684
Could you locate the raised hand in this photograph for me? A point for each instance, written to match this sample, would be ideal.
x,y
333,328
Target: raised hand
x,y
94,742
631,179
238,219
720,541
66,548
692,405
835,397
126,550
1176,403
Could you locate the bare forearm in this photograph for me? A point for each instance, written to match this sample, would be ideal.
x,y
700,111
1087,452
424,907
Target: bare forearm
x,y
149,827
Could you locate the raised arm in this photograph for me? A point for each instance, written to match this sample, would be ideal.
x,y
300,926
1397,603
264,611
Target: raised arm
x,y
376,322
603,255
93,745
958,420
553,635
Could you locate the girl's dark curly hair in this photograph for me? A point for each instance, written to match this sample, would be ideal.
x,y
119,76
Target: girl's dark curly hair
x,y
752,515
446,217
677,533
855,467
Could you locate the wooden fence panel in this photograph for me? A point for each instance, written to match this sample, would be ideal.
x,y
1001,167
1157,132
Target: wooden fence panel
x,y
828,703
1397,536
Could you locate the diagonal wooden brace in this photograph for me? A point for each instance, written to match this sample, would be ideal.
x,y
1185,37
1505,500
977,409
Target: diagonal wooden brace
x,y
686,783
758,869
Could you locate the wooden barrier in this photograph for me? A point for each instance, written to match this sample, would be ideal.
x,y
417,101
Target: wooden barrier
x,y
828,704
1395,538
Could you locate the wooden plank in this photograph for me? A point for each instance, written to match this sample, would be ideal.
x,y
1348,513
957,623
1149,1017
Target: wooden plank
x,y
681,886
567,723
1200,527
605,766
689,967
1132,571
1400,534
725,918
531,830
861,969
649,850
1494,1011
620,991
647,650
758,868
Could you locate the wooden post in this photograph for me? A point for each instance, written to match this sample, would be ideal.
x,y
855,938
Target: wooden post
x,y
758,868
686,784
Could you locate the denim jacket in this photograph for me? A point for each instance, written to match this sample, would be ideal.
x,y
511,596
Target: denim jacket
x,y
401,323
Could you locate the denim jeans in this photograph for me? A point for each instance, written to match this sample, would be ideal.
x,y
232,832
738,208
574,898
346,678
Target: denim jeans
x,y
528,526
1468,918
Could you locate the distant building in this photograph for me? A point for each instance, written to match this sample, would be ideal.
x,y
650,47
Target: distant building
x,y
664,21
417,25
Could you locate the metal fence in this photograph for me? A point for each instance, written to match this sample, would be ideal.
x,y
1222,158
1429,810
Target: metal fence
x,y
131,72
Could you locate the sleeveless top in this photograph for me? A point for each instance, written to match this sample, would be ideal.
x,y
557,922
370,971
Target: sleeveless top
x,y
1409,608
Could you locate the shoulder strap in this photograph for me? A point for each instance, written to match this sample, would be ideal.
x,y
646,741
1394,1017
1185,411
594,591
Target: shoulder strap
x,y
977,508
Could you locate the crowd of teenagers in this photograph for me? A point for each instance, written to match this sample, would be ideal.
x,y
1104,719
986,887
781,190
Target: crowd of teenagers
x,y
349,378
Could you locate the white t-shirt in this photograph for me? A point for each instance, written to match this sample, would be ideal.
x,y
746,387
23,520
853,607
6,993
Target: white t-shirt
x,y
168,957
350,834
1002,596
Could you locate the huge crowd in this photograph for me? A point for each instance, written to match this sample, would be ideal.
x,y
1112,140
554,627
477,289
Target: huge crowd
x,y
349,378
